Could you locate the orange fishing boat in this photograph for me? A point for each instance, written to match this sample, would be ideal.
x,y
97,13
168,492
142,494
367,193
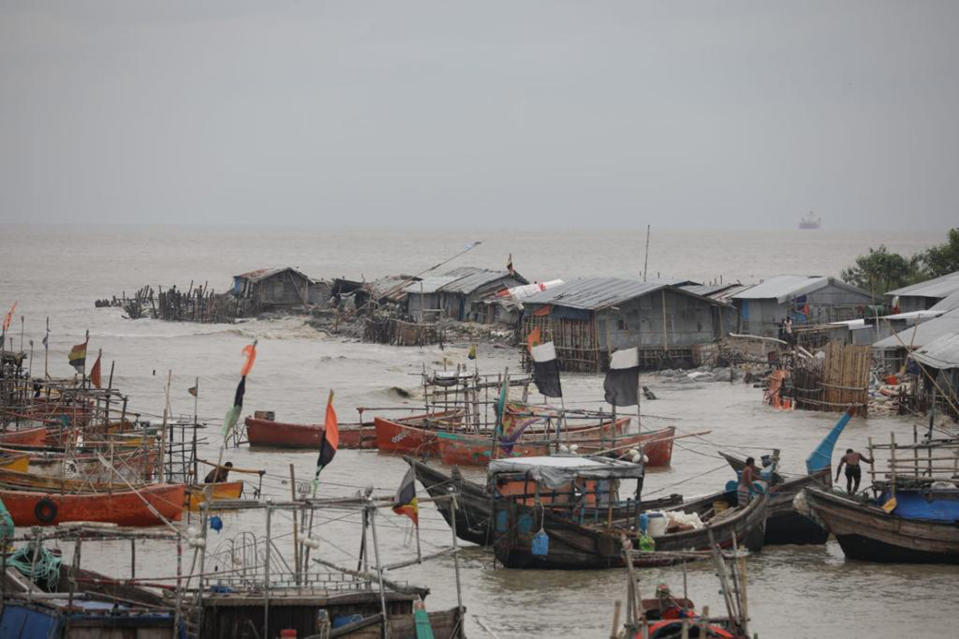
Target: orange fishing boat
x,y
27,437
414,435
124,508
15,461
197,494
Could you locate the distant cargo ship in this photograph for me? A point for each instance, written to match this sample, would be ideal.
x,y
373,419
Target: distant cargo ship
x,y
810,222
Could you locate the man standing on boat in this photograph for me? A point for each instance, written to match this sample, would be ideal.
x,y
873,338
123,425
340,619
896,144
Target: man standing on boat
x,y
853,473
219,474
749,474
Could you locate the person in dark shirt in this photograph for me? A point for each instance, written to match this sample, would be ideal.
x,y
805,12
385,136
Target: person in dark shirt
x,y
219,474
853,472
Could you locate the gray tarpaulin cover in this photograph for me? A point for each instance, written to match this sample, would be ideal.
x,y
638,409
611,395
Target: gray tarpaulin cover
x,y
559,470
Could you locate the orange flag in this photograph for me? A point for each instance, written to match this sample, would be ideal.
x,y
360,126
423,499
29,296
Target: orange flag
x,y
331,437
533,338
250,351
6,320
95,372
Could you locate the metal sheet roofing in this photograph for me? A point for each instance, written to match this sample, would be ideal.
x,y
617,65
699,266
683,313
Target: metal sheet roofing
x,y
469,278
939,287
594,293
710,290
784,287
263,273
949,303
922,334
429,284
941,353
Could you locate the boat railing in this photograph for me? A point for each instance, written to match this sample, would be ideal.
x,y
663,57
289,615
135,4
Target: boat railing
x,y
922,459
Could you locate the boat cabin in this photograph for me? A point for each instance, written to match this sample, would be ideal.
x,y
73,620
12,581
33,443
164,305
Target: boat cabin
x,y
563,481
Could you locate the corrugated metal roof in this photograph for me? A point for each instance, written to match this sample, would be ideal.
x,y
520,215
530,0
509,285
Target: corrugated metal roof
x,y
469,278
938,287
709,290
941,353
949,303
922,334
784,287
594,293
263,273
429,284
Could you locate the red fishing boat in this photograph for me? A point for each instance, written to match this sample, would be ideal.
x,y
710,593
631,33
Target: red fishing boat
x,y
27,437
414,435
124,508
265,432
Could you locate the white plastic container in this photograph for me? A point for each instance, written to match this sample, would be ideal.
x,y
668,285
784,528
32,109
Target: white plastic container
x,y
657,523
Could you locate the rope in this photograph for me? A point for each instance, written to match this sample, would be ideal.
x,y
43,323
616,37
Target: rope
x,y
45,569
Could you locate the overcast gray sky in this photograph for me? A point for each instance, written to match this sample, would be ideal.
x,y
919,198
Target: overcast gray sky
x,y
555,113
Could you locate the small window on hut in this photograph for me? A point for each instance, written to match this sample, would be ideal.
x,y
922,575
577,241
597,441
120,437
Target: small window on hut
x,y
621,325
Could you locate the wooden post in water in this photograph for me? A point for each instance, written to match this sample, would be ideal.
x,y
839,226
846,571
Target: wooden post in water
x,y
614,632
379,568
266,571
456,553
163,433
296,536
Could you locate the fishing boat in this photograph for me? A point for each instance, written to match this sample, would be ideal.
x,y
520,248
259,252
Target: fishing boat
x,y
14,461
785,524
197,494
265,432
147,505
473,501
672,616
466,449
135,464
528,534
865,531
414,435
912,515
34,436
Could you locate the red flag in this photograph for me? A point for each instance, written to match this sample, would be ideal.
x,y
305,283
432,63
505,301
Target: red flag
x,y
533,338
95,372
331,437
250,351
6,320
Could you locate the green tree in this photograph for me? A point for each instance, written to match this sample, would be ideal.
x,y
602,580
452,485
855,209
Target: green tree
x,y
942,259
879,271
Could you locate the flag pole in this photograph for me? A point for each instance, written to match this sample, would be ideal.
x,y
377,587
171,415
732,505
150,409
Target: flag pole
x,y
46,350
21,333
196,388
83,373
163,434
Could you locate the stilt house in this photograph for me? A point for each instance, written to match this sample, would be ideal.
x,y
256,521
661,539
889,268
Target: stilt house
x,y
458,294
590,318
806,299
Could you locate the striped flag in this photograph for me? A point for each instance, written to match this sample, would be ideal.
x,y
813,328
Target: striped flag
x,y
546,369
622,379
331,437
404,502
233,414
78,357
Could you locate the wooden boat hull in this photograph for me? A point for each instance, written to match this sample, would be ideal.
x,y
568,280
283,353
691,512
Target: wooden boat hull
x,y
784,524
868,533
16,462
197,493
263,432
455,449
573,546
474,502
413,435
126,508
27,437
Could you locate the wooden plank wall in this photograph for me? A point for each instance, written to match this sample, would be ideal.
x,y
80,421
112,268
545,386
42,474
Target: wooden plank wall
x,y
843,380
